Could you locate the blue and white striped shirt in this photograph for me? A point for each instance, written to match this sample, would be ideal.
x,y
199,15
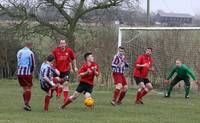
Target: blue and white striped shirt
x,y
46,70
25,61
119,65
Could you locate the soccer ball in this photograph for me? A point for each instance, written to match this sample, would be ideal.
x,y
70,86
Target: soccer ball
x,y
89,102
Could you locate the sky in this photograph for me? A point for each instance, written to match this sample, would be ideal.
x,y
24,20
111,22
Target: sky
x,y
177,6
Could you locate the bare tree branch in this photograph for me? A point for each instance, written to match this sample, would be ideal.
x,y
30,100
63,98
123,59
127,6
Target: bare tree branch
x,y
48,25
60,8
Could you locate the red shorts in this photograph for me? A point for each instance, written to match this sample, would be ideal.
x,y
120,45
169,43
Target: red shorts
x,y
119,78
25,80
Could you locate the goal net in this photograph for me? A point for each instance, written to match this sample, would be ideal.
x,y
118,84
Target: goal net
x,y
168,43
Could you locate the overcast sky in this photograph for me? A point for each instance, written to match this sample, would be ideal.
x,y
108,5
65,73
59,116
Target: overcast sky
x,y
179,6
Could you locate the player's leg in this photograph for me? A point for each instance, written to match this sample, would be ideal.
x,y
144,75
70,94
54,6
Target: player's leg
x,y
122,94
123,90
87,95
187,87
66,85
172,84
147,89
27,97
140,85
65,90
116,93
71,99
26,84
76,94
47,99
118,86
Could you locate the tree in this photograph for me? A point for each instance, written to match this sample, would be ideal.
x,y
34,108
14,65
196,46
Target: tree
x,y
70,10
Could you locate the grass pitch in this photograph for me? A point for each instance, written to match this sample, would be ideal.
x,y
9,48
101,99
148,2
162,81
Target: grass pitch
x,y
157,109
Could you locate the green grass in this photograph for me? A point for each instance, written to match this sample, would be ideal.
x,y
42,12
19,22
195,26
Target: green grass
x,y
156,109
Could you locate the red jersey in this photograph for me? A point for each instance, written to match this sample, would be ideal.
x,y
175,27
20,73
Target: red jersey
x,y
89,78
63,58
142,71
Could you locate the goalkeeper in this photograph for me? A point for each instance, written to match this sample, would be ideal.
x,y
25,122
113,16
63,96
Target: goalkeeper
x,y
183,72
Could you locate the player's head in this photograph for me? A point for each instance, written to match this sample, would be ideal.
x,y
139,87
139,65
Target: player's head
x,y
89,57
178,63
62,44
29,45
121,50
50,59
148,51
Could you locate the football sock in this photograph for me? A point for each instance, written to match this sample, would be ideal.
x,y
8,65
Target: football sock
x,y
58,91
46,102
116,94
65,93
143,93
169,90
187,90
121,96
27,97
138,95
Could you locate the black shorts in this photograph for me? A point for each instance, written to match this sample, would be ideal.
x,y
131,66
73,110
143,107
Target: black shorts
x,y
64,74
84,87
139,79
45,86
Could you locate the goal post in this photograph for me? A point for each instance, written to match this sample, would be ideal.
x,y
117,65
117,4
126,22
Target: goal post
x,y
151,28
168,43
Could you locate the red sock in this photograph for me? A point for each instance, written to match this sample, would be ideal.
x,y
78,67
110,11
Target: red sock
x,y
68,101
27,97
65,94
121,96
115,94
59,90
24,97
143,93
46,102
138,96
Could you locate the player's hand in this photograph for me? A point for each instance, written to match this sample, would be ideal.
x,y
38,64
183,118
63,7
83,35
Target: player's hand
x,y
89,71
75,69
196,82
146,65
71,70
52,83
166,82
94,68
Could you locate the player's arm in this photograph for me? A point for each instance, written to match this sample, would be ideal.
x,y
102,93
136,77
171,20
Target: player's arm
x,y
73,58
138,63
55,72
190,72
32,61
171,72
115,62
75,65
81,74
45,77
126,64
96,70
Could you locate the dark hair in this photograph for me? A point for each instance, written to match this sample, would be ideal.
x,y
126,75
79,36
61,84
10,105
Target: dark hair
x,y
149,48
86,55
50,58
120,47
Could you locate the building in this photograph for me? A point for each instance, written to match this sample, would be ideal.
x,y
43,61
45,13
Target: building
x,y
173,19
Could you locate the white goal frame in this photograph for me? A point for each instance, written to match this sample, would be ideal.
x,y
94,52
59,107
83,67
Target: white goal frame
x,y
151,28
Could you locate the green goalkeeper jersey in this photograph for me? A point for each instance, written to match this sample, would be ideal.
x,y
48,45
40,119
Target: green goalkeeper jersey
x,y
182,72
